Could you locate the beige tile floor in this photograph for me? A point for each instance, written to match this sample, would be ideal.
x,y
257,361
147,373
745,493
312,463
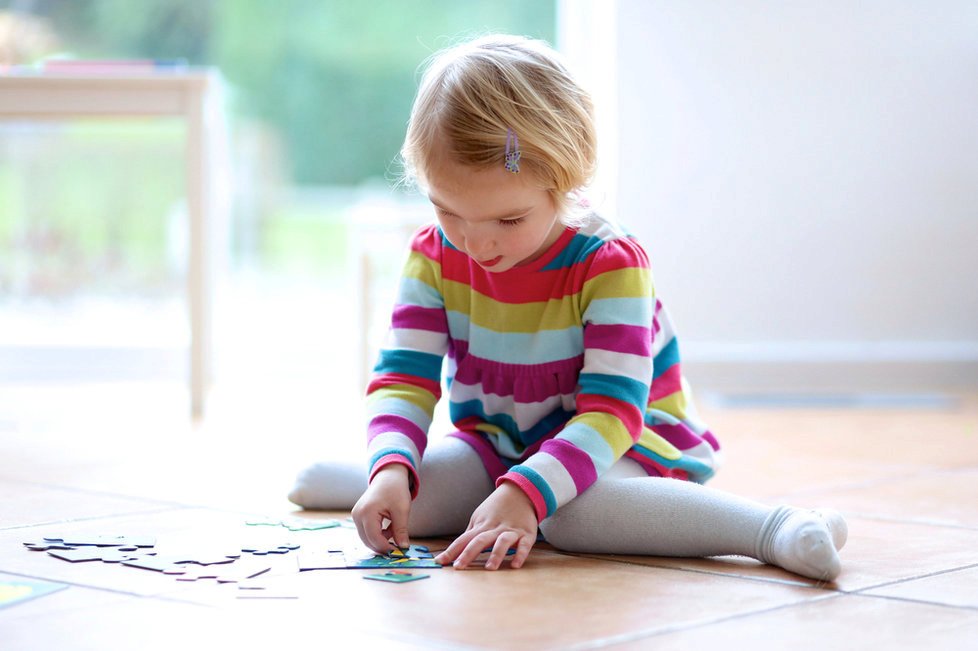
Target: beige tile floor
x,y
123,460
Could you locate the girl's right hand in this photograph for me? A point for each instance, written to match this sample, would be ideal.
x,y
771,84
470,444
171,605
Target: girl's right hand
x,y
387,498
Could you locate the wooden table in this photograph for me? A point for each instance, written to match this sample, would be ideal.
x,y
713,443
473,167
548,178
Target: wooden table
x,y
192,95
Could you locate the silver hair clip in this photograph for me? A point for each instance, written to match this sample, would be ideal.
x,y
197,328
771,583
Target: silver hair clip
x,y
512,162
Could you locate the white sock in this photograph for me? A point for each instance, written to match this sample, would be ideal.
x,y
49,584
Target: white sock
x,y
805,542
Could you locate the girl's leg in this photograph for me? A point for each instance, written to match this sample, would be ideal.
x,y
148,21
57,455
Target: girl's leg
x,y
453,483
627,512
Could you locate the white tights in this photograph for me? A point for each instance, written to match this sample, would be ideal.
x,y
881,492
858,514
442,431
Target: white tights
x,y
624,512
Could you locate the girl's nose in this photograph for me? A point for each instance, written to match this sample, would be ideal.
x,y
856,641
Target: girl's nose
x,y
478,245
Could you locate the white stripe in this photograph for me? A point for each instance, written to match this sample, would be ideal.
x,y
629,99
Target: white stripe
x,y
556,476
402,408
526,414
394,440
636,367
422,341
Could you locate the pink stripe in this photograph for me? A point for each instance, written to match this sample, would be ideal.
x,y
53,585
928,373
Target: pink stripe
x,y
378,382
679,435
525,383
419,318
576,461
385,423
488,455
539,505
635,340
709,438
656,470
427,242
666,384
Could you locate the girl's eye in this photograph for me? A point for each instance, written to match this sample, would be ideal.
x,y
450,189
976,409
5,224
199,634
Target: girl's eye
x,y
511,222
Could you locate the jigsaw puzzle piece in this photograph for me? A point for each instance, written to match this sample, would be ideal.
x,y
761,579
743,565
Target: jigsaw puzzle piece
x,y
46,545
100,540
84,554
164,564
262,550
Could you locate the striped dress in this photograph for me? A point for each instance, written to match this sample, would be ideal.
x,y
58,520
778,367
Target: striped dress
x,y
555,369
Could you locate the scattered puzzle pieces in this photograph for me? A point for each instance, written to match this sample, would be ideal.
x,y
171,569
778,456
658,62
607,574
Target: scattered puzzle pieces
x,y
262,550
104,554
238,571
295,524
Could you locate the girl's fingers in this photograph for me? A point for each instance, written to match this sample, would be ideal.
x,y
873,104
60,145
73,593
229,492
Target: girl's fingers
x,y
451,553
522,552
372,533
500,549
474,548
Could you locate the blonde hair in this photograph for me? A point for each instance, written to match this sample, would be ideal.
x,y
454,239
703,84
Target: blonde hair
x,y
474,94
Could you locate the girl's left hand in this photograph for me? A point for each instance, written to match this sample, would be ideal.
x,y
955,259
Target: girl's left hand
x,y
506,519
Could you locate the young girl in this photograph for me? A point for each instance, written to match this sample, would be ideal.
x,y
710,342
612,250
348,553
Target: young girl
x,y
563,375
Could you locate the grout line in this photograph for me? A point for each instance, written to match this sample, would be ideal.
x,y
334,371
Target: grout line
x,y
918,577
920,602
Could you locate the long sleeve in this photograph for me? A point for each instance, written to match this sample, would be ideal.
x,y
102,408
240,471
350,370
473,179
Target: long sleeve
x,y
406,383
616,300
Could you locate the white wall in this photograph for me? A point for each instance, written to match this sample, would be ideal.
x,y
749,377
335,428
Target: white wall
x,y
805,176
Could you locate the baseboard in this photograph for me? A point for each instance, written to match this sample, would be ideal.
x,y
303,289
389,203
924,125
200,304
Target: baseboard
x,y
793,367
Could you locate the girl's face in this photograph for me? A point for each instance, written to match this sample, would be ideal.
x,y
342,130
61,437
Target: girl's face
x,y
499,219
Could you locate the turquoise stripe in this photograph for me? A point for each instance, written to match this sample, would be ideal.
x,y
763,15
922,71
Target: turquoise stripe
x,y
474,408
698,471
410,362
526,348
541,485
383,452
458,324
577,250
618,387
666,358
620,311
417,292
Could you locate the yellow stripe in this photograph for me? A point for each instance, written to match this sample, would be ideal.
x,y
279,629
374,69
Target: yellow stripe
x,y
555,314
457,296
407,392
675,404
422,268
611,429
652,441
632,282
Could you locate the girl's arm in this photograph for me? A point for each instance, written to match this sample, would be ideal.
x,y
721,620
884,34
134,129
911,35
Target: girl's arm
x,y
404,389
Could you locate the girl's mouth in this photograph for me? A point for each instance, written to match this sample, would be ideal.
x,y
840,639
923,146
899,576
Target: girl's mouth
x,y
491,263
